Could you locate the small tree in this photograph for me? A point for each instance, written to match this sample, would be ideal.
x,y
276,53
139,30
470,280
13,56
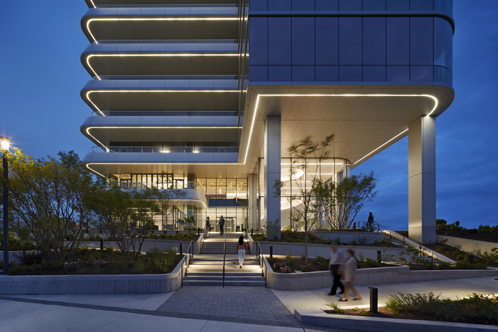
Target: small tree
x,y
307,210
352,193
51,197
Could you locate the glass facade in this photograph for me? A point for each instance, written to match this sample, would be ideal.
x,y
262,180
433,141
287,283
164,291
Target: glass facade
x,y
336,48
297,176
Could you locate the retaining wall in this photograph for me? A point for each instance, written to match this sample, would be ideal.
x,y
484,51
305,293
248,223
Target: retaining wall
x,y
468,245
368,276
323,250
347,237
93,284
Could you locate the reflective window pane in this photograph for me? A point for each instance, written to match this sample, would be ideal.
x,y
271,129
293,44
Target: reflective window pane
x,y
349,4
374,73
303,5
350,73
303,41
374,41
421,40
421,74
327,73
303,73
398,5
374,4
327,41
258,39
258,5
443,43
350,40
279,5
279,73
421,4
279,40
398,41
327,4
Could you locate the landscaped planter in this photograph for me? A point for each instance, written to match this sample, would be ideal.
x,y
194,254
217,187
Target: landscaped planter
x,y
150,244
350,236
468,245
94,284
366,276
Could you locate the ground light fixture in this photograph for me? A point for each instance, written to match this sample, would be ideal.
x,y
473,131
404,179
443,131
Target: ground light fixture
x,y
5,145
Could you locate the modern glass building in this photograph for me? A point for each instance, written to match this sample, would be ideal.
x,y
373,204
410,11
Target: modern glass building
x,y
208,95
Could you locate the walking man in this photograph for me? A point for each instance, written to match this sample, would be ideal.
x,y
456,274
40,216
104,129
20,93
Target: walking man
x,y
222,223
336,261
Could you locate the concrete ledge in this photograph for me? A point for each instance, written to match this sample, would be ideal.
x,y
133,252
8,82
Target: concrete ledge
x,y
368,276
468,245
346,237
94,284
375,324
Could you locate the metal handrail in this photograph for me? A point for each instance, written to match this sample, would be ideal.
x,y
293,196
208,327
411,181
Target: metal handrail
x,y
262,264
224,256
407,241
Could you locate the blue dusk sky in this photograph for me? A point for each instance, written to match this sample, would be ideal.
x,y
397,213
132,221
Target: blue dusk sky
x,y
41,108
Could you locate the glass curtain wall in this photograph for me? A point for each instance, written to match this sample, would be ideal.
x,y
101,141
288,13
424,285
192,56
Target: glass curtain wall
x,y
297,177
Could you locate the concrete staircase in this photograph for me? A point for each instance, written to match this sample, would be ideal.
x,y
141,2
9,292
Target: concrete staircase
x,y
206,269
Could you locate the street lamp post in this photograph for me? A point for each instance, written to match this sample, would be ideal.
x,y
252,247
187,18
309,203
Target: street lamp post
x,y
5,144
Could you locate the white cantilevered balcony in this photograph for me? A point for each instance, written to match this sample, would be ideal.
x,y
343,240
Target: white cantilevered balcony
x,y
157,59
161,23
108,95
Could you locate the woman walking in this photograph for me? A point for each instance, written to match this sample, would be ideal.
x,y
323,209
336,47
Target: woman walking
x,y
241,250
208,227
349,273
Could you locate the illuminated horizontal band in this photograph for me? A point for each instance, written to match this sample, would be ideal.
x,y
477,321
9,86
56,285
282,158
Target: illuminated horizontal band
x,y
152,91
151,127
121,55
300,95
337,95
156,19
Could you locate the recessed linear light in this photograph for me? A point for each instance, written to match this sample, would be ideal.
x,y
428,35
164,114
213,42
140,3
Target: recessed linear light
x,y
306,95
156,19
93,4
120,55
153,91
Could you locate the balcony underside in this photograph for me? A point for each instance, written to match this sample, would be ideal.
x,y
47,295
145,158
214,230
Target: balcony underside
x,y
161,95
155,2
365,119
103,130
168,23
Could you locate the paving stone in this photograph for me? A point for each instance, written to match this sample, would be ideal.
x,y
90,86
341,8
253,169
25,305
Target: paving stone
x,y
243,304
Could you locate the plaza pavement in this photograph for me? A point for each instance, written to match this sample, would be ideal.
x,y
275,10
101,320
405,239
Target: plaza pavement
x,y
201,309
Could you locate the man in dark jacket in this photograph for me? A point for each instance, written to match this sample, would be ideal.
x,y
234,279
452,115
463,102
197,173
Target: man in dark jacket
x,y
222,223
370,221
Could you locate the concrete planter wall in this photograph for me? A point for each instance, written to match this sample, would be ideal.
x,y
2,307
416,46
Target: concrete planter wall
x,y
347,237
369,276
323,250
468,245
94,284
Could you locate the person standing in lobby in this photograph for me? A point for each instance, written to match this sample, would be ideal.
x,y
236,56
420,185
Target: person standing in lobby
x,y
336,261
222,223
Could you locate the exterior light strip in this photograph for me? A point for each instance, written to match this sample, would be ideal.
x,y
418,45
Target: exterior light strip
x,y
404,131
151,91
151,127
156,55
303,95
156,19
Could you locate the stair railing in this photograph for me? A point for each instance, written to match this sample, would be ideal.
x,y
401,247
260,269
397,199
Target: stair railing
x,y
190,250
262,263
406,240
224,256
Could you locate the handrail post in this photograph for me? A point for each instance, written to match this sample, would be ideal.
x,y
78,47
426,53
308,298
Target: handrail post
x,y
224,255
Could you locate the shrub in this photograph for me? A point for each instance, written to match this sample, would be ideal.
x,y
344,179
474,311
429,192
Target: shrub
x,y
322,263
289,259
445,266
271,260
306,268
470,266
281,267
485,229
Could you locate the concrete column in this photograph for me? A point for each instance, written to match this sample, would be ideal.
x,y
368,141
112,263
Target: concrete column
x,y
252,204
422,179
272,170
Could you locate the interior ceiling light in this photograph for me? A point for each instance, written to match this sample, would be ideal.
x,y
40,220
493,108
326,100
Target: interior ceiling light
x,y
114,19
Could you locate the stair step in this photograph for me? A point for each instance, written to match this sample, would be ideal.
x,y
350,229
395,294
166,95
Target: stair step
x,y
220,283
220,274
